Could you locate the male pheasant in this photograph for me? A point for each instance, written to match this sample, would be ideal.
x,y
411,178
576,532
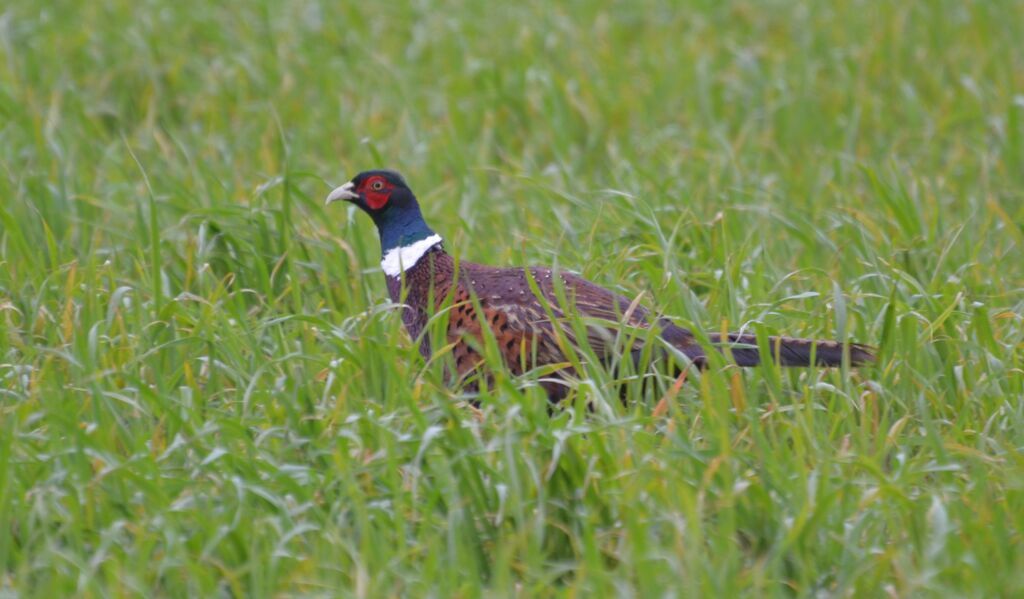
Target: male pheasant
x,y
529,333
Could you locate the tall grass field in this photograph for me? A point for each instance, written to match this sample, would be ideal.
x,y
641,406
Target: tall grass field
x,y
205,392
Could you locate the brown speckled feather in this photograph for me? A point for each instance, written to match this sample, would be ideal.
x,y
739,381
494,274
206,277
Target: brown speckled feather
x,y
524,329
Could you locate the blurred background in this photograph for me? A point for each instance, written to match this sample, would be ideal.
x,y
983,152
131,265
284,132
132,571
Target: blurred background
x,y
506,118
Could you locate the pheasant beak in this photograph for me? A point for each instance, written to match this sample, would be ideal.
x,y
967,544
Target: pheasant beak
x,y
345,192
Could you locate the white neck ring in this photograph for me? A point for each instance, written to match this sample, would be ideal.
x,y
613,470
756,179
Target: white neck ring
x,y
400,259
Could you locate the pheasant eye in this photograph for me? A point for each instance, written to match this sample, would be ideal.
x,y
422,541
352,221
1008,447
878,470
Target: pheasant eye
x,y
377,185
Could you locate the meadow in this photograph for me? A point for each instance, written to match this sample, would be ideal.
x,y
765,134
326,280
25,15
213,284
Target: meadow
x,y
204,391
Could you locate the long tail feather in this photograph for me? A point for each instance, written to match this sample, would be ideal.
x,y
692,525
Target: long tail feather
x,y
789,351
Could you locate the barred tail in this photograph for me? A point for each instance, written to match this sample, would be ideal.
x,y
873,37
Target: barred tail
x,y
789,351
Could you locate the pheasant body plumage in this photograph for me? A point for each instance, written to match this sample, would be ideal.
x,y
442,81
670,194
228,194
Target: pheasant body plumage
x,y
528,332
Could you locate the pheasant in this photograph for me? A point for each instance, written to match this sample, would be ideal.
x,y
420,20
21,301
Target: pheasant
x,y
528,332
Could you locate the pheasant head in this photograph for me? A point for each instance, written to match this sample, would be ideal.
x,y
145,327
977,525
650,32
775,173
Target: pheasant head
x,y
385,196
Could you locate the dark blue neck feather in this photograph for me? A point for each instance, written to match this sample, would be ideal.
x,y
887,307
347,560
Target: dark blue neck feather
x,y
400,228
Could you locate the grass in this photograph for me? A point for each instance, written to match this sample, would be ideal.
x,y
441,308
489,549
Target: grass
x,y
204,392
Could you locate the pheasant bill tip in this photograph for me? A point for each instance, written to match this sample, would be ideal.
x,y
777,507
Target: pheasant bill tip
x,y
344,192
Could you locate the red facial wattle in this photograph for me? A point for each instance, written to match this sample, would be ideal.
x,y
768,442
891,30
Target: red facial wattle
x,y
376,191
